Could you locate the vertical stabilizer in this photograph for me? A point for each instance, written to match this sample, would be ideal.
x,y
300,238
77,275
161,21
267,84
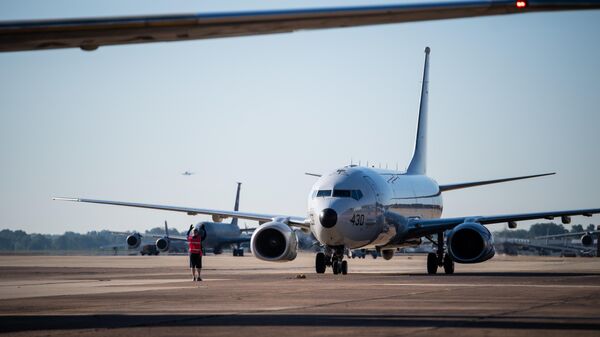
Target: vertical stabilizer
x,y
418,163
236,207
166,229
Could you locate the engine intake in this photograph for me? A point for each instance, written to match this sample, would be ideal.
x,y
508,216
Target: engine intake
x,y
274,241
587,240
470,242
133,240
163,244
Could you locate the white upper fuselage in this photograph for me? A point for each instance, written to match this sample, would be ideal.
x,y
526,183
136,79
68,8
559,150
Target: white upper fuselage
x,y
359,196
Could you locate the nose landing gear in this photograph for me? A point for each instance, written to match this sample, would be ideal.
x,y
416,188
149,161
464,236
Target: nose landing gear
x,y
439,259
340,267
335,260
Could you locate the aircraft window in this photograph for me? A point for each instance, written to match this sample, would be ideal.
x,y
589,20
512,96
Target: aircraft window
x,y
357,194
324,193
342,193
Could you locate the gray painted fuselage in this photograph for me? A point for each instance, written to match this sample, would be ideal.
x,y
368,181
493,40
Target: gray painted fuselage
x,y
382,190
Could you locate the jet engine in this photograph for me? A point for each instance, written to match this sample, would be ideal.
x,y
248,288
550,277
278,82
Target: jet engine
x,y
587,240
163,244
274,241
470,242
134,240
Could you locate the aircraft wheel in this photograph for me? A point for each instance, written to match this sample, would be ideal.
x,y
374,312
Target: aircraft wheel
x,y
344,268
432,263
448,264
335,267
320,263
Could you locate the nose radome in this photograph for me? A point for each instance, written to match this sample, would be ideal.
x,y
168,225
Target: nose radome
x,y
328,218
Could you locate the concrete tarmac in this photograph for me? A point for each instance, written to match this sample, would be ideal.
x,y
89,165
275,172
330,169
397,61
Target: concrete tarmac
x,y
242,296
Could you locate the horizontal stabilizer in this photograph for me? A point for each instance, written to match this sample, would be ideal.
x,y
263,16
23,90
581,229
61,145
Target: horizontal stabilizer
x,y
444,188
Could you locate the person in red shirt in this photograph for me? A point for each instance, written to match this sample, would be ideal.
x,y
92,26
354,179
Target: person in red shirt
x,y
195,249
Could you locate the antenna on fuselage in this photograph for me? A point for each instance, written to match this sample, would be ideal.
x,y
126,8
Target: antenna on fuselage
x,y
418,163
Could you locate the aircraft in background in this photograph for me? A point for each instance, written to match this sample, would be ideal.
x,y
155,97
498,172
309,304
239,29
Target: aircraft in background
x,y
187,173
90,33
215,235
565,248
162,244
586,238
357,207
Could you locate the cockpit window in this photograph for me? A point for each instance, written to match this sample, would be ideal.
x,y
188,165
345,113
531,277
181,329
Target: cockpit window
x,y
354,194
342,193
324,193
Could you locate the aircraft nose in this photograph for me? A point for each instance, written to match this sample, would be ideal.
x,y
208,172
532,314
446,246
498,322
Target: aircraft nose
x,y
328,218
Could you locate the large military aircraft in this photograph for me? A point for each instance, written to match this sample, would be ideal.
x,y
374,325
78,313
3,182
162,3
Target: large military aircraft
x,y
215,235
586,238
90,33
363,207
218,235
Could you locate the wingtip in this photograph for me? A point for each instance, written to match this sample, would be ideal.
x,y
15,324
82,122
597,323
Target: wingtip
x,y
65,199
427,50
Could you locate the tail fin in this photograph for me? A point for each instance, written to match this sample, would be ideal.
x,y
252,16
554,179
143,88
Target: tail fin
x,y
418,163
166,229
236,207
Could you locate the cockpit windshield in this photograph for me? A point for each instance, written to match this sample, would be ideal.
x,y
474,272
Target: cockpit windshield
x,y
354,194
323,193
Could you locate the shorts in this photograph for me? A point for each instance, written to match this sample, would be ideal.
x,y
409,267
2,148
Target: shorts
x,y
196,261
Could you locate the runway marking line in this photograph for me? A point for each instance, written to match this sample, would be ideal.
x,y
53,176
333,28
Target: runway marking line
x,y
489,285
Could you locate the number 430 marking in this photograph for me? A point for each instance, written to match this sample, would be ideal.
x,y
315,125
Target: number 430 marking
x,y
358,219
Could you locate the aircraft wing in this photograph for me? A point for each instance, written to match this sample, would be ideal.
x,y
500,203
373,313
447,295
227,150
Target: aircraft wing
x,y
550,247
90,33
567,235
217,214
240,239
418,227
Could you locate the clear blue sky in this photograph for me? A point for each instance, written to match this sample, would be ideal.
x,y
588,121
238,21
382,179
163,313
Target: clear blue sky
x,y
509,95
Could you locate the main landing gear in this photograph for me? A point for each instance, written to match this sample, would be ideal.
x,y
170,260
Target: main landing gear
x,y
439,259
333,258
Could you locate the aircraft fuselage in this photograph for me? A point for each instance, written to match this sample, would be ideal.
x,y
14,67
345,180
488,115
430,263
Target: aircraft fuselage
x,y
348,206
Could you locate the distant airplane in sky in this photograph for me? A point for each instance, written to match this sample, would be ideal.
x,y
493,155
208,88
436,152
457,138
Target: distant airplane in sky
x,y
187,173
361,207
91,33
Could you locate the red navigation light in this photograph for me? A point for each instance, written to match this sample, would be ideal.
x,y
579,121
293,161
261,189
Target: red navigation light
x,y
521,4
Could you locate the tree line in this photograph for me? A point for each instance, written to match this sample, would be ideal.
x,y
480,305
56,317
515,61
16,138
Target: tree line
x,y
19,240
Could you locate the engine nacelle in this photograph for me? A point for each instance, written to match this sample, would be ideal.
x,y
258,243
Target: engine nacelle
x,y
587,240
274,241
133,240
163,244
470,242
